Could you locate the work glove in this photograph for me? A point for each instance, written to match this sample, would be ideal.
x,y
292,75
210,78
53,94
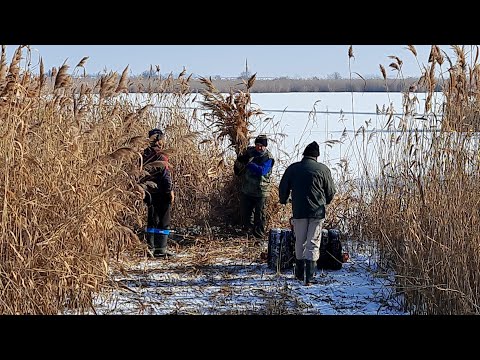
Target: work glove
x,y
243,158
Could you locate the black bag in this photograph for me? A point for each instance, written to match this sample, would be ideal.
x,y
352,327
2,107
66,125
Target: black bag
x,y
331,257
281,249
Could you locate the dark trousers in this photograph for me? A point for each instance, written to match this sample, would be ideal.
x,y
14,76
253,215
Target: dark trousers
x,y
159,209
252,213
158,219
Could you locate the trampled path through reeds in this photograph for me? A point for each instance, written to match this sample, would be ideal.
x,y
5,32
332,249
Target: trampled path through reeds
x,y
228,275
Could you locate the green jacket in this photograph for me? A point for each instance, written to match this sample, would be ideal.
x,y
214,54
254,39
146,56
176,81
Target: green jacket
x,y
311,185
255,170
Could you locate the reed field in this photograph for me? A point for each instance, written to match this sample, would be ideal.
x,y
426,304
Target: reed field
x,y
72,197
422,209
72,204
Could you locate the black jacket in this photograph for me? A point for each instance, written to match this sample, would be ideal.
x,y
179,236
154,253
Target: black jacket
x,y
155,163
311,185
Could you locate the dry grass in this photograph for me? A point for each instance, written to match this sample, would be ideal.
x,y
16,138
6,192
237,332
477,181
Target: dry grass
x,y
422,207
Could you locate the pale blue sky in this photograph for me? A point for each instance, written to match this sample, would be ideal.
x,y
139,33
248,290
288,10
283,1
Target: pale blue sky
x,y
229,60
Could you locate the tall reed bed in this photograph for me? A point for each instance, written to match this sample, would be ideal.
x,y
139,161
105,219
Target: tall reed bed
x,y
66,186
70,202
418,197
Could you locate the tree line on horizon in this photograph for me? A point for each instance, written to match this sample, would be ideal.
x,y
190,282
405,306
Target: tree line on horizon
x,y
334,82
281,85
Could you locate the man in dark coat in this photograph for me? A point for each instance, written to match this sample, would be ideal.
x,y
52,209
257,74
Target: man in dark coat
x,y
312,188
254,166
159,195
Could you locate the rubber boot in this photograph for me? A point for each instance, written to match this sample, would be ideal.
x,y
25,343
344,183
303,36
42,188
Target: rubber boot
x,y
150,240
310,266
258,233
300,270
161,246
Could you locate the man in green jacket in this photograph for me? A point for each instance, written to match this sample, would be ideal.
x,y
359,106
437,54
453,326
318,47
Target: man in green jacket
x,y
312,188
254,167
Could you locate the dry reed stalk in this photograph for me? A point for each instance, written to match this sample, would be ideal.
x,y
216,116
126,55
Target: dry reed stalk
x,y
412,49
82,62
3,64
122,83
62,79
395,66
107,84
14,68
41,79
384,73
231,116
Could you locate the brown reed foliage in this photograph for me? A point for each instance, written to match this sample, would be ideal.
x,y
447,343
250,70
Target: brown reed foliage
x,y
230,115
419,203
3,64
68,195
231,118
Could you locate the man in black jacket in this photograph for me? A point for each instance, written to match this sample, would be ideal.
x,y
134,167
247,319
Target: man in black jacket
x,y
159,195
312,188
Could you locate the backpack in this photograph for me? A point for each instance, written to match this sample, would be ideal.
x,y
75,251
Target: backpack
x,y
331,256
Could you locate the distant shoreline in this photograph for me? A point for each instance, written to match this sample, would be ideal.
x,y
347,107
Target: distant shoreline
x,y
280,85
286,85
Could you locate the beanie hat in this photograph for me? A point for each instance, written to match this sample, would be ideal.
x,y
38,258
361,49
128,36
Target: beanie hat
x,y
261,139
157,132
312,150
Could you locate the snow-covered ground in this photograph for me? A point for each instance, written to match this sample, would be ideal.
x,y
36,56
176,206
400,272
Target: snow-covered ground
x,y
201,280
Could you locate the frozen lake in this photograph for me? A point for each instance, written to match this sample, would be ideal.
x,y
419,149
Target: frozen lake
x,y
324,117
331,119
